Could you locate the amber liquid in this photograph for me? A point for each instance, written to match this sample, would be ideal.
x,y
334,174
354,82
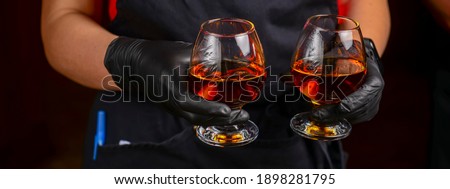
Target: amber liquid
x,y
330,81
233,83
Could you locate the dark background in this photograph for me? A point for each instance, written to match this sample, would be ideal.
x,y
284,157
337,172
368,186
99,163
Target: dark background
x,y
43,115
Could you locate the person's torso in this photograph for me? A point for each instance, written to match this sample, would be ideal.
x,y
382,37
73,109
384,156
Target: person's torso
x,y
159,139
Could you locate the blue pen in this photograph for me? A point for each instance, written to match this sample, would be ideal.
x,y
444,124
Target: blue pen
x,y
99,138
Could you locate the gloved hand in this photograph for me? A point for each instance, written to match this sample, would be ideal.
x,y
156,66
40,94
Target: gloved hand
x,y
363,104
157,70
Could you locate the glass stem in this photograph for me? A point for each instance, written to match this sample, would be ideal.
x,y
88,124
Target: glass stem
x,y
314,106
233,127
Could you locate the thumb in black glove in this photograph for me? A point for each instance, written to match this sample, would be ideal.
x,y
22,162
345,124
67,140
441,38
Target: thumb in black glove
x,y
158,71
363,104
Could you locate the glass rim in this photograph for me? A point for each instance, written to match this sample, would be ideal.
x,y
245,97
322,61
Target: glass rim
x,y
237,20
356,27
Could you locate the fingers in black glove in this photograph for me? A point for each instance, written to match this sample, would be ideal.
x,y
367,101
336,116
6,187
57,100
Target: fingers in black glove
x,y
165,63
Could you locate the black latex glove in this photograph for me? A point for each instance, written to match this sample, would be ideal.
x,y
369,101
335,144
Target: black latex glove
x,y
165,64
363,104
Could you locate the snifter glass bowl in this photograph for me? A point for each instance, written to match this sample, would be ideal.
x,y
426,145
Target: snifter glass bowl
x,y
328,65
227,66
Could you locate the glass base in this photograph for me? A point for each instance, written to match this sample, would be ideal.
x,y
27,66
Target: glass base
x,y
303,125
228,136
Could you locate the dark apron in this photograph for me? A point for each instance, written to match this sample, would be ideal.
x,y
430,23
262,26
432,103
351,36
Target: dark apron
x,y
440,152
160,140
440,63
